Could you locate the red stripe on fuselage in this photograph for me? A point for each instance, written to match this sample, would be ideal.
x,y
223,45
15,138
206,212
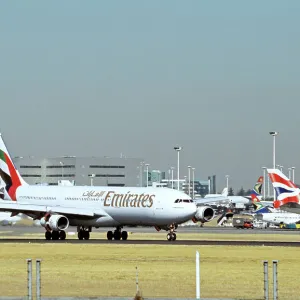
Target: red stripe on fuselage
x,y
14,178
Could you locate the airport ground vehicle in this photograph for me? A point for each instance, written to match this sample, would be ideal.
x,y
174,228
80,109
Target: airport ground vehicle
x,y
242,221
248,224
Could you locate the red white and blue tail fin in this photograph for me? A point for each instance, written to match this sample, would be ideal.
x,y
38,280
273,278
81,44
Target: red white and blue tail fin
x,y
286,191
8,173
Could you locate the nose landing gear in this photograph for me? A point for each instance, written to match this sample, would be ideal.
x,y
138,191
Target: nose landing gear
x,y
171,236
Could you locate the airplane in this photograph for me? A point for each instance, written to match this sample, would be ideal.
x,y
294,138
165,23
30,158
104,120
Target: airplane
x,y
288,194
225,199
6,219
273,216
224,194
58,207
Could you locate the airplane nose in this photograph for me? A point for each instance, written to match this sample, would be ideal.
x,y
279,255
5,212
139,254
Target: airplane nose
x,y
191,209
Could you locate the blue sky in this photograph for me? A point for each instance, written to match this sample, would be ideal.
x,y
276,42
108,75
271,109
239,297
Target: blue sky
x,y
139,77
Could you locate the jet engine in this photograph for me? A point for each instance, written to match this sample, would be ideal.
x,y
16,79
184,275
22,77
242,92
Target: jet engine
x,y
55,222
204,214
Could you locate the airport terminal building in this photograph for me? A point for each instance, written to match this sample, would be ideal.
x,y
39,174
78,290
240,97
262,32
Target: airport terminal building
x,y
105,171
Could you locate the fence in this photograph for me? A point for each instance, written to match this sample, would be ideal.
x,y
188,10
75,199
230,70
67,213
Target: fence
x,y
198,287
266,280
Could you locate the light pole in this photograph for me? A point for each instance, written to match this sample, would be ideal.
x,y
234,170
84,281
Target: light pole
x,y
62,169
189,167
172,177
293,168
274,134
178,151
268,187
264,168
141,173
227,182
193,183
290,169
92,177
147,171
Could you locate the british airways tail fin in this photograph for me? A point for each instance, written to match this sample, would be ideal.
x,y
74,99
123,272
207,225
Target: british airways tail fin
x,y
286,190
8,173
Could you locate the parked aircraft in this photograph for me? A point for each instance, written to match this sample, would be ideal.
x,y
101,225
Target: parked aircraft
x,y
287,193
6,219
225,199
271,215
58,207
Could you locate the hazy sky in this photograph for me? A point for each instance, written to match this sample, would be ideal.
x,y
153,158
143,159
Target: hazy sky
x,y
140,77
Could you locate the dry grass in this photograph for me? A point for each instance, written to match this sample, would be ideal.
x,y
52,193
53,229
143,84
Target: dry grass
x,y
164,271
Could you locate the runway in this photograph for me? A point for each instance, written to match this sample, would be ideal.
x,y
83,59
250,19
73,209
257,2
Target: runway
x,y
35,234
18,230
156,242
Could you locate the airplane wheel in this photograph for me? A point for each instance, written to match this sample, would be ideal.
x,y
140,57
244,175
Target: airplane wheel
x,y
117,235
86,235
124,235
62,235
174,237
48,235
110,235
169,237
55,235
80,235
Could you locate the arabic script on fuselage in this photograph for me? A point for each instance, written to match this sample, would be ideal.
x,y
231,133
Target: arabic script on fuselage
x,y
114,199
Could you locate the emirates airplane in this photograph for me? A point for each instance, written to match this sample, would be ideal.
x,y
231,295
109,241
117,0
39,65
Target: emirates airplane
x,y
58,207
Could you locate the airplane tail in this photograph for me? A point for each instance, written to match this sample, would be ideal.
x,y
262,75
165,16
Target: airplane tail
x,y
259,207
8,173
257,187
225,192
286,190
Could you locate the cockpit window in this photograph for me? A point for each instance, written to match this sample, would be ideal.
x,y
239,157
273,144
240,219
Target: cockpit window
x,y
184,200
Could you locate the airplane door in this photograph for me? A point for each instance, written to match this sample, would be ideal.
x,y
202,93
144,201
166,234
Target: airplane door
x,y
158,210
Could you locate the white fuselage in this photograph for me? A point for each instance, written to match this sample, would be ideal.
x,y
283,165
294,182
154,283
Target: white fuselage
x,y
222,199
280,218
115,206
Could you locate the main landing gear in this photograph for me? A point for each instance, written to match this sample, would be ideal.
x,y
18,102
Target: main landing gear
x,y
171,236
84,232
55,235
117,235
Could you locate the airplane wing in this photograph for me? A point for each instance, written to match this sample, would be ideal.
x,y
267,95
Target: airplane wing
x,y
10,206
